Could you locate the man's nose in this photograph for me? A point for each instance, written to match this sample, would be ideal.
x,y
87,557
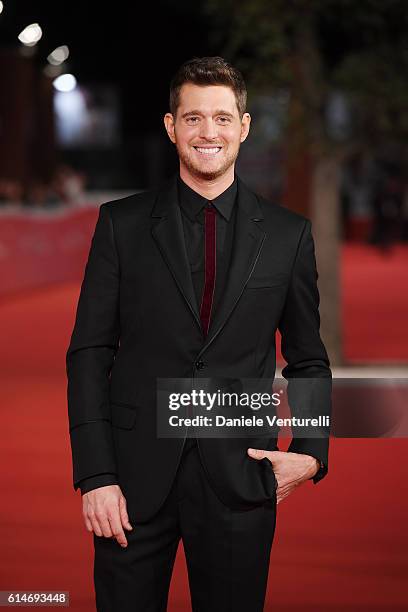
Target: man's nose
x,y
208,129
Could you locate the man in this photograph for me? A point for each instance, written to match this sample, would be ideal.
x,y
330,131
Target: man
x,y
190,281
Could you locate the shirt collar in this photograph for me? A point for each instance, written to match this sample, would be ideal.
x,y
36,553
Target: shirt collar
x,y
192,202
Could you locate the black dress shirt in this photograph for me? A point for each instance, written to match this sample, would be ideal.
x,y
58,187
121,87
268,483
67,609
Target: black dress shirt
x,y
192,206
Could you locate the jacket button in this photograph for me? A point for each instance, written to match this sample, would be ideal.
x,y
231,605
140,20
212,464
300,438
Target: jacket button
x,y
199,365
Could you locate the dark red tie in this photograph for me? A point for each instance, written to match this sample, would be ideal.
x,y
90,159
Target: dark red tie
x,y
210,263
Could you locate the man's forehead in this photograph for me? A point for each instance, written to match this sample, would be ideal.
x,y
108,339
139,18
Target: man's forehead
x,y
207,98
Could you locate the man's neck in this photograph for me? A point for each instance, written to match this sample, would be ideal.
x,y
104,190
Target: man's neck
x,y
208,189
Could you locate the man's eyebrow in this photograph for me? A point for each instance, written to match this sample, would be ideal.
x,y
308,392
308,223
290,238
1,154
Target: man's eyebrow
x,y
223,112
197,112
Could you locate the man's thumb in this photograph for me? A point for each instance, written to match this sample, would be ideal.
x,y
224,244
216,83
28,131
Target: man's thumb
x,y
256,453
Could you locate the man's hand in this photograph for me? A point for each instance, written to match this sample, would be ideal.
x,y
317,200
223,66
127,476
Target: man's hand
x,y
105,513
291,469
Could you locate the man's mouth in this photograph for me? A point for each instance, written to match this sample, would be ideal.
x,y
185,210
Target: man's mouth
x,y
208,151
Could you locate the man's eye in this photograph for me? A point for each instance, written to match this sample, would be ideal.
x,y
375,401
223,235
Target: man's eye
x,y
192,119
224,119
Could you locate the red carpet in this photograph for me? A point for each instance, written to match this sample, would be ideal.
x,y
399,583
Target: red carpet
x,y
374,287
339,545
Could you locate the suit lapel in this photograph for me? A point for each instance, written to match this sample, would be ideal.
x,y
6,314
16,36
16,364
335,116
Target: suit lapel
x,y
168,233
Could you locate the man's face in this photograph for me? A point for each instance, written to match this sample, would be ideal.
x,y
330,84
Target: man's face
x,y
207,130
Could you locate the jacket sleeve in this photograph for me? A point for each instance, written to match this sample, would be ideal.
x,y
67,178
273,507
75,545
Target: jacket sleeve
x,y
95,482
308,368
90,356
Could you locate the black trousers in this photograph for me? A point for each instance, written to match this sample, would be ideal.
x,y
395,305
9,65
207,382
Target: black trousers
x,y
227,551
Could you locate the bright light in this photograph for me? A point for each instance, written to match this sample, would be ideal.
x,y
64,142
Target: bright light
x,y
65,83
30,35
1,7
59,55
70,114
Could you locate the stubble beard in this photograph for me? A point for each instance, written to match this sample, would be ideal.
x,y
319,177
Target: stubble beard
x,y
200,171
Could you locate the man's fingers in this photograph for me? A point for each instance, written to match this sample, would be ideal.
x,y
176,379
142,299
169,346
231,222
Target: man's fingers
x,y
87,514
285,490
281,496
105,513
95,525
117,528
88,523
98,519
123,513
105,525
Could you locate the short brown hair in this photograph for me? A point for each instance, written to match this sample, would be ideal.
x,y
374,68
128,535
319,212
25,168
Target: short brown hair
x,y
208,71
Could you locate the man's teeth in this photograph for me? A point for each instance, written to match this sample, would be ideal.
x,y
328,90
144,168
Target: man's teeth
x,y
207,150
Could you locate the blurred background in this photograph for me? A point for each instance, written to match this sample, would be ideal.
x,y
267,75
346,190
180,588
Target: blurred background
x,y
83,90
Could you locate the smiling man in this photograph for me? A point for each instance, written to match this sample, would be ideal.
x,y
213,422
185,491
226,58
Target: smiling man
x,y
208,134
190,281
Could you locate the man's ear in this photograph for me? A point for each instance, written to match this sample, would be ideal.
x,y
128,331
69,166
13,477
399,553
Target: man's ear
x,y
245,124
169,125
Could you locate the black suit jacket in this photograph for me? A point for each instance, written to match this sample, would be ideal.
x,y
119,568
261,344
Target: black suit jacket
x,y
137,320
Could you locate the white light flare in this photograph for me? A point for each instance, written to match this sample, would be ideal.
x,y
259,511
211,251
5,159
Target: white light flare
x,y
65,83
30,35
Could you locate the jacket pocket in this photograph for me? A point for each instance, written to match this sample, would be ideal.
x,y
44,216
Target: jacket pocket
x,y
268,467
123,415
264,282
